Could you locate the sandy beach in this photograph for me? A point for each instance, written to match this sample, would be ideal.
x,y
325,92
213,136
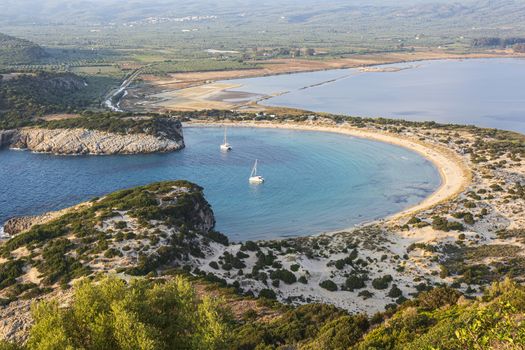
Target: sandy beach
x,y
412,252
455,174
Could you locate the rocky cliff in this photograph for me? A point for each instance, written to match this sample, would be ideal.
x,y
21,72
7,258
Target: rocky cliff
x,y
83,141
6,137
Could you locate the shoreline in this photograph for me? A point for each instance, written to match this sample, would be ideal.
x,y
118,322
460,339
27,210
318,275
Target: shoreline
x,y
455,175
194,92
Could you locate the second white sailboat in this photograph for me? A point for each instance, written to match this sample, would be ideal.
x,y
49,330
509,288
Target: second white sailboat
x,y
254,178
225,146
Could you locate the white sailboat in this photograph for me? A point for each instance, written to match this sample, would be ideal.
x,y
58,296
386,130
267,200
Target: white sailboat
x,y
254,178
225,146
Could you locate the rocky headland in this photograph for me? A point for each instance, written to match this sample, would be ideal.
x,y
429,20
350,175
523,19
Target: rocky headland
x,y
66,140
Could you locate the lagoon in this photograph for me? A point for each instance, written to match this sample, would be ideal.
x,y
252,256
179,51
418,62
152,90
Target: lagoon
x,y
315,181
482,92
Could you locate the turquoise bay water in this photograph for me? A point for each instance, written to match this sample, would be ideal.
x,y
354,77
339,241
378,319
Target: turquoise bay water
x,y
315,182
483,92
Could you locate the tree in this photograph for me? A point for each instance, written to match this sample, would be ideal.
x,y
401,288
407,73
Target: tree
x,y
340,334
112,314
328,285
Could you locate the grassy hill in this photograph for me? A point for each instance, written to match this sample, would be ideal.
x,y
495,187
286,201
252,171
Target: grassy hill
x,y
26,96
19,51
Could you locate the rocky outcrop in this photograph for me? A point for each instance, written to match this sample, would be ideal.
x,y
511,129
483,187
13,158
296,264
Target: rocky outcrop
x,y
16,321
16,225
82,141
6,137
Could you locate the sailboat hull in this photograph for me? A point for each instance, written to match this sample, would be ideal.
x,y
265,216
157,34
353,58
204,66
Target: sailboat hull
x,y
225,146
256,179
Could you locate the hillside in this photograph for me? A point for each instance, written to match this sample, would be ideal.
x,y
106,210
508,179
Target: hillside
x,y
185,30
134,231
15,51
157,231
141,315
29,95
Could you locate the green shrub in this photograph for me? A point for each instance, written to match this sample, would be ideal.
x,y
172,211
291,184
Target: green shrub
x,y
365,294
414,220
381,282
141,315
283,275
354,282
268,294
437,297
250,245
328,285
395,292
341,333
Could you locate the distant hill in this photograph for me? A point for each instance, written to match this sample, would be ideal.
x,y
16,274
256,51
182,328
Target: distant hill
x,y
19,51
28,95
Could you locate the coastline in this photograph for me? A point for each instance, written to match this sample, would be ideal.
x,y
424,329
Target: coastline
x,y
195,90
455,175
413,255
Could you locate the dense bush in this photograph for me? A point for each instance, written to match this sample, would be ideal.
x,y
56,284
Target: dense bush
x,y
250,246
354,282
283,275
33,95
141,315
437,297
395,292
9,272
442,224
341,333
267,293
293,327
381,282
328,285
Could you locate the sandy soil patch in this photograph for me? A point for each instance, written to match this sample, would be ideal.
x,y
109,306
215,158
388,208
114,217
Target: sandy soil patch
x,y
60,116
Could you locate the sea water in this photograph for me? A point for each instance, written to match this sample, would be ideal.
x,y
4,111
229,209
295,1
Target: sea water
x,y
315,181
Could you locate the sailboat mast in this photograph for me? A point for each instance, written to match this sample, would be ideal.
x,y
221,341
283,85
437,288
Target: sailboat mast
x,y
224,135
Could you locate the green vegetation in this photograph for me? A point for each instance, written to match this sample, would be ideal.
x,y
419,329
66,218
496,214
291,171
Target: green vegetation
x,y
18,51
382,282
328,285
168,314
283,275
440,320
497,42
118,123
292,328
442,224
354,282
437,319
64,249
156,31
469,262
111,314
201,65
28,96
